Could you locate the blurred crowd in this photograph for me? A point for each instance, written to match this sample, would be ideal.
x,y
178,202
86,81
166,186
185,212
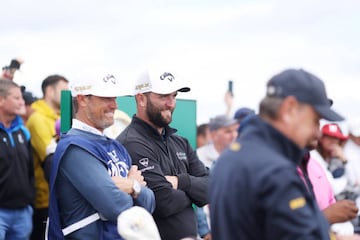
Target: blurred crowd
x,y
178,195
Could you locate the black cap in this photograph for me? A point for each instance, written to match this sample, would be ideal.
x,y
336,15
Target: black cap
x,y
306,88
243,112
29,98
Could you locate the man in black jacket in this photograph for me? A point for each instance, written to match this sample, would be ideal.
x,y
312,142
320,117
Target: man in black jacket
x,y
169,165
16,166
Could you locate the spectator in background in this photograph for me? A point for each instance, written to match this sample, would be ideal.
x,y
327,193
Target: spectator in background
x,y
255,192
202,135
50,150
9,71
243,115
338,213
41,125
223,131
229,100
16,166
329,154
352,154
169,164
29,99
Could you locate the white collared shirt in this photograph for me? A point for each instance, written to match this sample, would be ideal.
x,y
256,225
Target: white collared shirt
x,y
85,127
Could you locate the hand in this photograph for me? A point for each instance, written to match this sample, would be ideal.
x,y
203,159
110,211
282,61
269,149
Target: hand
x,y
135,173
229,98
348,237
207,237
341,211
124,184
51,147
173,180
337,152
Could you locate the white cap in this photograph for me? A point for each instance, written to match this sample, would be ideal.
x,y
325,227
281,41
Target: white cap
x,y
107,86
160,81
136,223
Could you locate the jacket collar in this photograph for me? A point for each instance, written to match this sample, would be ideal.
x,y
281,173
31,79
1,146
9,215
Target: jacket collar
x,y
138,122
15,123
274,138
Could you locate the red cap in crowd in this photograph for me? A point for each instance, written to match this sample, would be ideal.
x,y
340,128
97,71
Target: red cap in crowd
x,y
333,130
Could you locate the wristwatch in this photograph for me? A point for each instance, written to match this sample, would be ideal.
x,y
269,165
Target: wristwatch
x,y
136,189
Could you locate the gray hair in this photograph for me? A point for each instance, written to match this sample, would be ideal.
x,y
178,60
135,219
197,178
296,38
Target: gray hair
x,y
5,86
269,107
75,105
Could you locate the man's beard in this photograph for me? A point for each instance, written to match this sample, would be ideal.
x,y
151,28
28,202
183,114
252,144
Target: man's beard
x,y
155,116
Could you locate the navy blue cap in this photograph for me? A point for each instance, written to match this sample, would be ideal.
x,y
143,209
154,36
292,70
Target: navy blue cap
x,y
243,112
306,88
28,97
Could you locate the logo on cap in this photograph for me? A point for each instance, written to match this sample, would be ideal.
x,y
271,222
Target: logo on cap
x,y
167,76
109,77
271,90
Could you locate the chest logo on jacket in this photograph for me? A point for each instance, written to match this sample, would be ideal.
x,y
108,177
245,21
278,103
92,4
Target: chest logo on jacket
x,y
181,156
115,166
145,163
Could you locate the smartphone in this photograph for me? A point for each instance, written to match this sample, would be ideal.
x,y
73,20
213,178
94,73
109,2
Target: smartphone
x,y
230,87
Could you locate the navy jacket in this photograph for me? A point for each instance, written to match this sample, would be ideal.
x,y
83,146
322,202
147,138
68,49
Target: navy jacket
x,y
256,193
16,166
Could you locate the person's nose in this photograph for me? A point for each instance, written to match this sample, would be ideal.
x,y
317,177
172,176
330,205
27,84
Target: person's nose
x,y
113,103
170,101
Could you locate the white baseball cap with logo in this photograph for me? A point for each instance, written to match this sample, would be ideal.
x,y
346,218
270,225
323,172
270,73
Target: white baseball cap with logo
x,y
105,86
160,81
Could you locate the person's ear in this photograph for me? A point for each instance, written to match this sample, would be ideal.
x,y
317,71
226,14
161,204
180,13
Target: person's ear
x,y
141,100
288,109
82,100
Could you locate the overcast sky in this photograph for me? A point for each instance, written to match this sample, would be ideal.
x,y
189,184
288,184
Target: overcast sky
x,y
209,42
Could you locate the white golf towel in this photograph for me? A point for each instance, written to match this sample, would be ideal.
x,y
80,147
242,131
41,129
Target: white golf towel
x,y
137,224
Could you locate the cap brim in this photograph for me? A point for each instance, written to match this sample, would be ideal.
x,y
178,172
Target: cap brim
x,y
336,135
100,93
327,113
184,89
168,90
